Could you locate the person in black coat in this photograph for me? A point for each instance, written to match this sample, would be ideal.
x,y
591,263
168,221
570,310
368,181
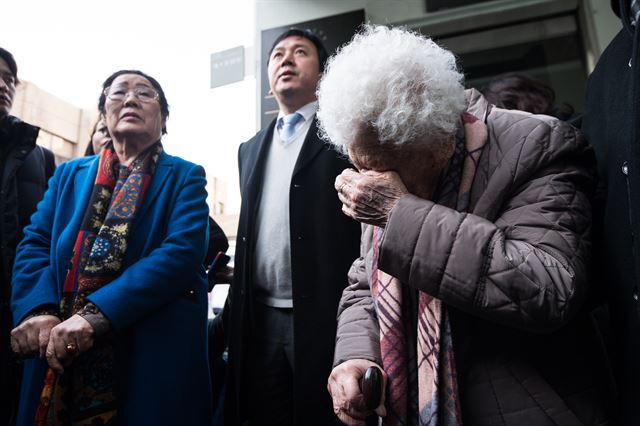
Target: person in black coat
x,y
24,171
294,248
611,123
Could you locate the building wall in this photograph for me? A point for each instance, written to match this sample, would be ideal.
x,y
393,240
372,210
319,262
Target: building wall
x,y
64,128
597,23
217,190
601,23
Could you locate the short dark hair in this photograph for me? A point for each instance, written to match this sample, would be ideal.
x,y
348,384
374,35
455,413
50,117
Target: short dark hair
x,y
523,92
11,62
309,35
520,91
164,105
89,151
615,6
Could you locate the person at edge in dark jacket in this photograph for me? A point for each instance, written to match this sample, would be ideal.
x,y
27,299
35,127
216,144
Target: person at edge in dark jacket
x,y
611,123
25,169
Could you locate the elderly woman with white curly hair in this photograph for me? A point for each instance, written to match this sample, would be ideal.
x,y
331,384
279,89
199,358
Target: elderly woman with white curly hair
x,y
469,292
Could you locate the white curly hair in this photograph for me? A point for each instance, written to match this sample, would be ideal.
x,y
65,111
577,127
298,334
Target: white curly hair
x,y
400,84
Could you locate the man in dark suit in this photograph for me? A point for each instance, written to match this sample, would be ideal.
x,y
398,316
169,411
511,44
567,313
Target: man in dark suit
x,y
611,123
294,248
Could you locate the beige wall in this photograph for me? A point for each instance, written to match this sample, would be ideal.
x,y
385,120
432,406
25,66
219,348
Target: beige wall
x,y
217,190
228,223
64,128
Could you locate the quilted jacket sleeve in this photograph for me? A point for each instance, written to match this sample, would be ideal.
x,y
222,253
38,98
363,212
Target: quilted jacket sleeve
x,y
357,335
520,258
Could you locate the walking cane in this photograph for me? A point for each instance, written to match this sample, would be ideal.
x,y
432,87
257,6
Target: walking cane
x,y
371,387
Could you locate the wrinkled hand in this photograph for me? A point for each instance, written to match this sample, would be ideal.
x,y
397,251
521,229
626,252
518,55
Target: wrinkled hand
x,y
32,335
369,196
77,332
344,387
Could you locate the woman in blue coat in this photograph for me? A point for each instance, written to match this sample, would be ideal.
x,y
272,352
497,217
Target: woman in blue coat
x,y
109,291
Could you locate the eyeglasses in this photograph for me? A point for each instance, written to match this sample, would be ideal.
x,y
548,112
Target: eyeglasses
x,y
119,93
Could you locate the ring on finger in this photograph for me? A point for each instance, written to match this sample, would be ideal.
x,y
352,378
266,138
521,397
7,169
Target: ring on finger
x,y
71,348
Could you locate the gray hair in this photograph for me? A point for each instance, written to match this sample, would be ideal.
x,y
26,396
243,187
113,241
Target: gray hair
x,y
400,84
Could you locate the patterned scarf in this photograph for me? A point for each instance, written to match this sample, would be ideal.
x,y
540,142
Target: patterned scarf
x,y
434,361
85,393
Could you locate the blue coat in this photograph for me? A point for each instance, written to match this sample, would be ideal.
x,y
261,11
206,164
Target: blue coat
x,y
157,307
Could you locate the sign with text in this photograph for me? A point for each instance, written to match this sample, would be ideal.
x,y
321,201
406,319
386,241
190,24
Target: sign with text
x,y
227,66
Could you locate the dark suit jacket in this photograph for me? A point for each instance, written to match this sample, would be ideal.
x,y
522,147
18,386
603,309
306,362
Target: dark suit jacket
x,y
324,243
611,124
